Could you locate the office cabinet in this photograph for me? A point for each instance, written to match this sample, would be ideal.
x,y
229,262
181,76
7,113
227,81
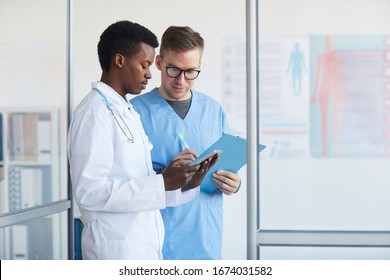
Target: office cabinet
x,y
29,176
29,166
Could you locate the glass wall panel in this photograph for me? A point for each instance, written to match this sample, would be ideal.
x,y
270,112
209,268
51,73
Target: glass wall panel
x,y
38,239
32,103
33,95
324,115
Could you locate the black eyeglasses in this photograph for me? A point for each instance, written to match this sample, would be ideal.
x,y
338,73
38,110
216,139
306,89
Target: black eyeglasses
x,y
189,74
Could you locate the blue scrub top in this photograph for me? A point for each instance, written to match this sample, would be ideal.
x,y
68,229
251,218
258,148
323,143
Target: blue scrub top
x,y
192,230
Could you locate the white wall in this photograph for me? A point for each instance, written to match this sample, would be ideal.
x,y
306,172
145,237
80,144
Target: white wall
x,y
212,19
303,17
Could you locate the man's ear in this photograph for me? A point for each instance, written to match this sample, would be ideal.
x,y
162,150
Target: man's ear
x,y
119,60
159,61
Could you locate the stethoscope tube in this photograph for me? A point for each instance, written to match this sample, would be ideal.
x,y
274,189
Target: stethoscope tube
x,y
110,108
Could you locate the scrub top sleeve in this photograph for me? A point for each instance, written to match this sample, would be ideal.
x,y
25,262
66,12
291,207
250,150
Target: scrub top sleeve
x,y
177,197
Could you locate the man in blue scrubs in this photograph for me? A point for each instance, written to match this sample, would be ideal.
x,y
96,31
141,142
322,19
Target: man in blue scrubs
x,y
192,230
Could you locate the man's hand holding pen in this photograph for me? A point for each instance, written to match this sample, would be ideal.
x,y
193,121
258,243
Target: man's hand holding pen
x,y
193,175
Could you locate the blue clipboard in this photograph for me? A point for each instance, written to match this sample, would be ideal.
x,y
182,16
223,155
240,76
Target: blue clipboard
x,y
232,159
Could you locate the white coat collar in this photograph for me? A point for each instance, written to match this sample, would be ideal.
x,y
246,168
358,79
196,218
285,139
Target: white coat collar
x,y
114,97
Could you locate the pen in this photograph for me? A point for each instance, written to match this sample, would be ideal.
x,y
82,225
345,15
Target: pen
x,y
181,138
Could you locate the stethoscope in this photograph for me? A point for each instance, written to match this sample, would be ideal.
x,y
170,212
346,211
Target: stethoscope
x,y
110,108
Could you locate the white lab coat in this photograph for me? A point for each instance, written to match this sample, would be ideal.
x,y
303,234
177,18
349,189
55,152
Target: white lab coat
x,y
114,185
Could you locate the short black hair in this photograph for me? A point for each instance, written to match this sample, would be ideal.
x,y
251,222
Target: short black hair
x,y
123,37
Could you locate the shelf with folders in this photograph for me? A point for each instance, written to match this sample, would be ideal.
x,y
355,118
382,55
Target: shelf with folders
x,y
30,165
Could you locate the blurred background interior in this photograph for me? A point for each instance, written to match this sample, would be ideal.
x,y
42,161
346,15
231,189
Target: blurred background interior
x,y
323,93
